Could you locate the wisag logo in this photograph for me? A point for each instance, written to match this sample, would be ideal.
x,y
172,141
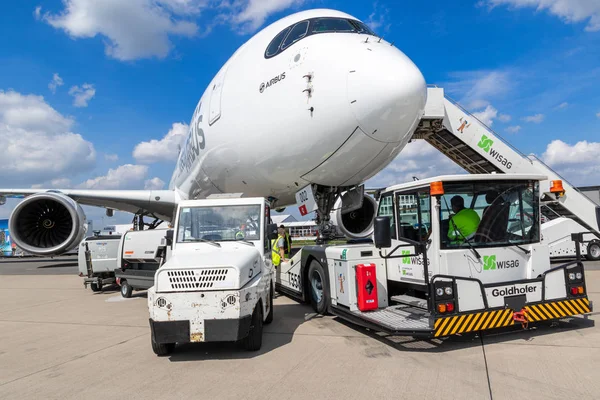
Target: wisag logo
x,y
412,260
490,263
486,144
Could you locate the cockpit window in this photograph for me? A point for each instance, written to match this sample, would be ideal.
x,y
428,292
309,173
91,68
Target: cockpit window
x,y
313,26
274,45
332,25
362,28
297,33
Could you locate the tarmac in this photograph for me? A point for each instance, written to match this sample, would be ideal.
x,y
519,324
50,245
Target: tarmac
x,y
59,340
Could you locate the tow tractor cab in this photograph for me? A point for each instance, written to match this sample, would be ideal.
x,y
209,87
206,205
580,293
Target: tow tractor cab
x,y
217,281
437,271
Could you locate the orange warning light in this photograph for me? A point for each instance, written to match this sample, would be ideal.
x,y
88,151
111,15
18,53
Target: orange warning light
x,y
436,188
556,187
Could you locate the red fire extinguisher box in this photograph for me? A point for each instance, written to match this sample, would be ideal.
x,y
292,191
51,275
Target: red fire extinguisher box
x,y
366,281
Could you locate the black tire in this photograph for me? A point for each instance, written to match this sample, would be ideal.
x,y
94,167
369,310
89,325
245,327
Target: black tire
x,y
162,349
318,288
95,287
269,318
593,251
126,289
253,341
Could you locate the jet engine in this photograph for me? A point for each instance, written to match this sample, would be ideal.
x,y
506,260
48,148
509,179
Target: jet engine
x,y
358,222
47,224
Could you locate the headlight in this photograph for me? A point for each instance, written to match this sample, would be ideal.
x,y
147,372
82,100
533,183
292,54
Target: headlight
x,y
579,276
448,291
571,276
440,291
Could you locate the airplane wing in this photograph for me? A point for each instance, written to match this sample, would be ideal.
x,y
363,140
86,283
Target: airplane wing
x,y
160,203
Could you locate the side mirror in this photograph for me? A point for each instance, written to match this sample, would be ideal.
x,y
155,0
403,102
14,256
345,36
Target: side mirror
x,y
169,237
272,231
382,233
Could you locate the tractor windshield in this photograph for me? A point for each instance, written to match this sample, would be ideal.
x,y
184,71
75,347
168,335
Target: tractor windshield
x,y
219,223
489,213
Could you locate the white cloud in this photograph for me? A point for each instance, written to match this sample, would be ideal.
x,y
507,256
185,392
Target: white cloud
x,y
82,94
154,184
126,176
418,159
571,11
598,115
138,29
37,12
513,129
562,106
37,142
111,157
60,183
478,88
486,116
578,163
537,118
253,13
134,28
56,81
166,149
504,118
378,19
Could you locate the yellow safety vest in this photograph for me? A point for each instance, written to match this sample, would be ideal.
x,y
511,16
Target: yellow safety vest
x,y
275,257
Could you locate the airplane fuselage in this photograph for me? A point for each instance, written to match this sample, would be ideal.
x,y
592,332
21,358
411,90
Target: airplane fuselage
x,y
333,108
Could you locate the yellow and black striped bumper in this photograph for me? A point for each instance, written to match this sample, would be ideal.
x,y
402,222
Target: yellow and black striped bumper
x,y
447,326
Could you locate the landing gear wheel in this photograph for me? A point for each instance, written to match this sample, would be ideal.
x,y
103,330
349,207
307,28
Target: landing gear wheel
x,y
126,289
162,349
95,287
269,318
318,290
253,341
593,251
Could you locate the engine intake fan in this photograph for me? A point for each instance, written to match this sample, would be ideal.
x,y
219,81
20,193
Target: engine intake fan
x,y
357,223
47,224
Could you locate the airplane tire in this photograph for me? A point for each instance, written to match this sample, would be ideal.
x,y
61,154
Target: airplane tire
x,y
317,286
95,287
253,341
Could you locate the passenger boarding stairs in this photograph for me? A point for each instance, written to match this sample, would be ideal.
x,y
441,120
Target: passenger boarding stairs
x,y
479,150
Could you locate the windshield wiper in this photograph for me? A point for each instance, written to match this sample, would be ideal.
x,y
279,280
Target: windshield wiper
x,y
245,241
521,248
471,247
204,241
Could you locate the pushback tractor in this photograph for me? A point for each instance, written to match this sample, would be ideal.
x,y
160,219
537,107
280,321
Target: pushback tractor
x,y
216,284
451,255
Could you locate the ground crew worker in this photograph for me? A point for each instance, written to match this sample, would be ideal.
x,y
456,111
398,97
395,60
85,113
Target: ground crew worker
x,y
278,248
463,223
239,235
288,241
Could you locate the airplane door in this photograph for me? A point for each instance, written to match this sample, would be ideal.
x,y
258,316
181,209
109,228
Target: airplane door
x,y
215,97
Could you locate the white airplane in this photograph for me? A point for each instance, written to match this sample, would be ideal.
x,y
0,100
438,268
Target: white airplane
x,y
316,98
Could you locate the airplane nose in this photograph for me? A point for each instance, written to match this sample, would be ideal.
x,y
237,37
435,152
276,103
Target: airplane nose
x,y
387,93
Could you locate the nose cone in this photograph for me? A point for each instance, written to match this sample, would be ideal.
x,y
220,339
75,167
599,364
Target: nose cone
x,y
387,93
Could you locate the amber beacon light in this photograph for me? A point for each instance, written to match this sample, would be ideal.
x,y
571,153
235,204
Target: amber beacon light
x,y
436,188
557,187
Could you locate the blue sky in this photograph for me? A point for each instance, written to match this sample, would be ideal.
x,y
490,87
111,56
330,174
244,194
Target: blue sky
x,y
129,72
